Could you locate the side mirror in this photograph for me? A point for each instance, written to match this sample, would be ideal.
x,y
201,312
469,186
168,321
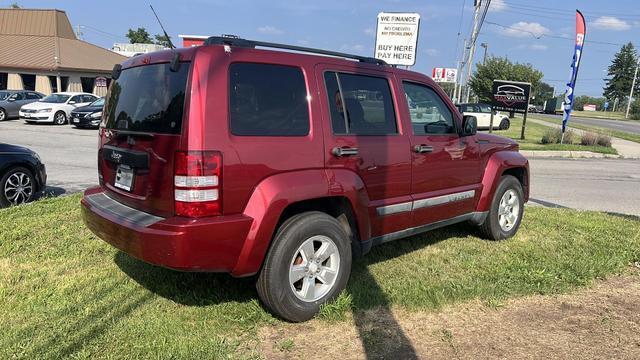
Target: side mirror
x,y
11,99
71,102
469,125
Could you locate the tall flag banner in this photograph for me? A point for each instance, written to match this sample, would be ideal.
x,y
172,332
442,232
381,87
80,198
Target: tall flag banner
x,y
577,55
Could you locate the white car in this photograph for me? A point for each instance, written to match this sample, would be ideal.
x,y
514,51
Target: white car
x,y
482,112
55,108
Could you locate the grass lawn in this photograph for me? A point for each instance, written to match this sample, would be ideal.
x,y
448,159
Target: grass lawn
x,y
601,130
618,115
533,135
64,293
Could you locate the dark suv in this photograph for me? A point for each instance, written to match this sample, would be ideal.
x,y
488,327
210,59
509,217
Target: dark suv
x,y
230,158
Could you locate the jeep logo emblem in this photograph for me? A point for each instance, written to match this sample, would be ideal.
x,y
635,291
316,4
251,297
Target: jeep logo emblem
x,y
116,156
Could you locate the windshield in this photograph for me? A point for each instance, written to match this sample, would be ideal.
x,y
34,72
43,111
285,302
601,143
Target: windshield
x,y
147,98
99,102
4,95
55,98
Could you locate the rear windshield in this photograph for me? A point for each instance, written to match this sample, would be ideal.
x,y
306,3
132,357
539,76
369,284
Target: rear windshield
x,y
147,98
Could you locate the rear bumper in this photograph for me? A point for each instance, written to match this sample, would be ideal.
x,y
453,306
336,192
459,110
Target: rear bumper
x,y
205,244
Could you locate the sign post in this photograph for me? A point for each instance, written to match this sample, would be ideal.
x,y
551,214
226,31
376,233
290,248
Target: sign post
x,y
511,96
397,38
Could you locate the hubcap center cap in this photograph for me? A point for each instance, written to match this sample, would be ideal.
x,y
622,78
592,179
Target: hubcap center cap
x,y
313,267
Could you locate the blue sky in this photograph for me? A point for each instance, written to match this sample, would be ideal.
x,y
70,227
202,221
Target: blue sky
x,y
350,26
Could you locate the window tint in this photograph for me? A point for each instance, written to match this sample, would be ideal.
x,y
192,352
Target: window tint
x,y
89,98
17,96
467,108
77,99
484,108
147,98
367,102
267,100
429,113
32,96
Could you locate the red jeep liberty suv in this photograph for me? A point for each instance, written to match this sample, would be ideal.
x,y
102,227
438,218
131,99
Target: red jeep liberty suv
x,y
288,163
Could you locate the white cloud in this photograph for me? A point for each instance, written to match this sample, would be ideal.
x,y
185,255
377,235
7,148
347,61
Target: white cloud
x,y
432,52
524,29
538,47
270,30
369,31
610,23
497,5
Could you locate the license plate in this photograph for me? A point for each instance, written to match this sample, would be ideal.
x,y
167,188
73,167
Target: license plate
x,y
124,178
76,120
27,115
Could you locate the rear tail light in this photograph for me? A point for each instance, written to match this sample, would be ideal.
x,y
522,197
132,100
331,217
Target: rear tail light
x,y
196,182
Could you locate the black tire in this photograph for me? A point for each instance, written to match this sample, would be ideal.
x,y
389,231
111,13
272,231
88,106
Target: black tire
x,y
505,124
491,228
4,196
3,114
60,118
274,286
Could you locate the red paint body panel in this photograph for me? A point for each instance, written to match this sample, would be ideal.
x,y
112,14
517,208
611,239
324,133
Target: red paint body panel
x,y
262,176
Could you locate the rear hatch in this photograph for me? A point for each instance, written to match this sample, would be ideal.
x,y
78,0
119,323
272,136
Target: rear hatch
x,y
143,119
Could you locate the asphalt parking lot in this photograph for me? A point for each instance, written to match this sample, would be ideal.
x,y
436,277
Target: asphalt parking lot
x,y
68,153
591,184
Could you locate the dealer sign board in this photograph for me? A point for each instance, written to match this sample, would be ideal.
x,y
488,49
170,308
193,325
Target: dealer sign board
x,y
511,96
397,38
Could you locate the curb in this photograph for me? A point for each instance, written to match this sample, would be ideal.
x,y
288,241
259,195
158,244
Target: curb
x,y
533,154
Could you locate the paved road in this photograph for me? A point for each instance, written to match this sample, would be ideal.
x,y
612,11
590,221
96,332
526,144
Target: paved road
x,y
607,185
70,154
611,185
631,126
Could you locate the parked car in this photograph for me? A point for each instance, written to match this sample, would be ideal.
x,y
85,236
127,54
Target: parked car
x,y
55,108
482,112
22,175
12,100
536,109
88,116
288,165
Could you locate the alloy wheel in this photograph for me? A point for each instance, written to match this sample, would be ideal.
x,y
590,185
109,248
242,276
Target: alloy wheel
x,y
314,268
3,115
18,188
60,118
508,210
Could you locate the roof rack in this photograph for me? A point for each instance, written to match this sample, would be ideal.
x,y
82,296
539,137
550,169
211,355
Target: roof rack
x,y
239,42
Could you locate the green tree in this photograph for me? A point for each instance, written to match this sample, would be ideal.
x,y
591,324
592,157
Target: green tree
x,y
163,40
15,5
541,93
497,68
620,73
580,101
139,36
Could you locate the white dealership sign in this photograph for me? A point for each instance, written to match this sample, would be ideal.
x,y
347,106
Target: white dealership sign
x,y
444,74
397,38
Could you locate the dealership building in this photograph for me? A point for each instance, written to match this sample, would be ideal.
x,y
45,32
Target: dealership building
x,y
39,51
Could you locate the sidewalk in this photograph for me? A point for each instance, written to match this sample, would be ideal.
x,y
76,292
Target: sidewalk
x,y
627,149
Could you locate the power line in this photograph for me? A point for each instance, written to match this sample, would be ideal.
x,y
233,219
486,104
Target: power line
x,y
527,6
91,28
455,53
539,36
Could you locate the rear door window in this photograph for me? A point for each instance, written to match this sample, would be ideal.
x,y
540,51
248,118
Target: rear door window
x,y
360,104
267,100
147,98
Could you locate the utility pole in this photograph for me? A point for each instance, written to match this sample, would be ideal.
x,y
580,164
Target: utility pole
x,y
461,64
472,49
633,84
79,32
484,58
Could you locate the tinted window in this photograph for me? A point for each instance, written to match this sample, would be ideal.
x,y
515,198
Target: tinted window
x,y
147,98
55,98
4,95
89,98
32,96
17,96
77,99
366,101
429,113
484,108
267,100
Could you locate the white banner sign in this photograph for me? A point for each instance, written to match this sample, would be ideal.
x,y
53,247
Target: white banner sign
x,y
444,74
397,38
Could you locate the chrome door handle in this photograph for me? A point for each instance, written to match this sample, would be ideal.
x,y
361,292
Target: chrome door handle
x,y
344,151
423,149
